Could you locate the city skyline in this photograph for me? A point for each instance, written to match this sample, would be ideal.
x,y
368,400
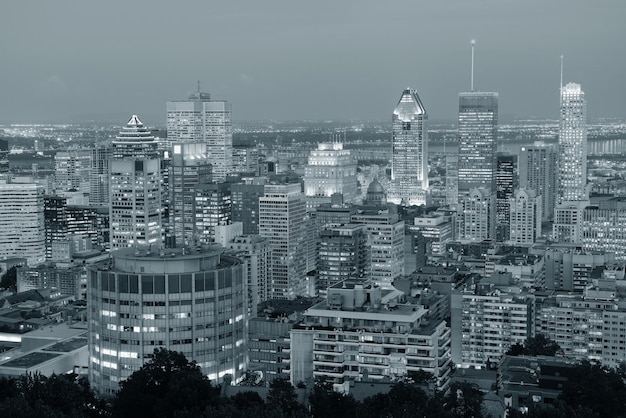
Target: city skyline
x,y
335,57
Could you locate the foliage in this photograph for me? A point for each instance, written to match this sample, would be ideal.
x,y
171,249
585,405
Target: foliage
x,y
168,383
327,403
282,400
54,396
539,345
464,400
9,279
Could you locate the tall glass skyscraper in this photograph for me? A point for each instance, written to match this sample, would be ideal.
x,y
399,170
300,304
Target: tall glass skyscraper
x,y
478,132
409,161
200,119
572,160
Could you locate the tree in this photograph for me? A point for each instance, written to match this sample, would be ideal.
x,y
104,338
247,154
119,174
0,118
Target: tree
x,y
9,279
330,404
464,400
168,383
54,396
540,345
282,400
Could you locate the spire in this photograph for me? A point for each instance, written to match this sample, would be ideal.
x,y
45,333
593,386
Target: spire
x,y
472,70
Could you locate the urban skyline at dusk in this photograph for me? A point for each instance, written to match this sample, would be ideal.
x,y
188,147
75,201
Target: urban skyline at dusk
x,y
281,61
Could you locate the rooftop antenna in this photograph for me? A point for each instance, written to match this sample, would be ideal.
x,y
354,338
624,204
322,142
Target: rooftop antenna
x,y
472,73
561,86
198,87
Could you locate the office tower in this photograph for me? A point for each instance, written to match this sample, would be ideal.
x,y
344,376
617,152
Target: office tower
x,y
212,208
4,156
357,333
99,176
505,185
572,178
332,214
525,217
140,300
22,222
567,226
202,120
136,195
452,180
478,133
245,159
538,172
385,234
569,267
188,168
245,203
254,250
72,170
55,221
437,229
604,227
343,254
475,219
409,153
282,220
330,169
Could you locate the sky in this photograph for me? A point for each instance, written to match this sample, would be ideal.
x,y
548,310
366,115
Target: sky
x,y
64,61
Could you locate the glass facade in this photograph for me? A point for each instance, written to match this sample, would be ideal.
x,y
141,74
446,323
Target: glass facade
x,y
194,304
572,179
409,161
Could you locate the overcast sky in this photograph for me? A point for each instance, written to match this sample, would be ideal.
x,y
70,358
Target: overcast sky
x,y
294,60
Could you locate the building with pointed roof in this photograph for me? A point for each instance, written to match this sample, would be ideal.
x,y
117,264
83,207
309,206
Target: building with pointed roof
x,y
409,161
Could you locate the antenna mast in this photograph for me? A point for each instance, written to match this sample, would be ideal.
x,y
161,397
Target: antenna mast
x,y
472,72
561,86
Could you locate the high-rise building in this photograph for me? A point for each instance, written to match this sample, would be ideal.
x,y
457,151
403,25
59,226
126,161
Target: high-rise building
x,y
409,159
4,155
22,222
136,193
524,217
330,169
505,185
212,208
537,171
475,219
188,168
343,254
255,251
245,203
385,234
604,227
99,176
193,303
572,162
282,219
199,119
478,132
72,170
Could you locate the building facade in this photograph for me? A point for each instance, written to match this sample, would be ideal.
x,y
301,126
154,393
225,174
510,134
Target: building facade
x,y
199,119
330,169
409,158
22,231
538,172
193,303
572,162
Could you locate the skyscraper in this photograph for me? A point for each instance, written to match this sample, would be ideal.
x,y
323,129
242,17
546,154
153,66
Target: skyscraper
x,y
537,171
200,119
99,176
505,185
189,167
135,203
572,178
22,222
282,211
330,169
409,160
478,132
